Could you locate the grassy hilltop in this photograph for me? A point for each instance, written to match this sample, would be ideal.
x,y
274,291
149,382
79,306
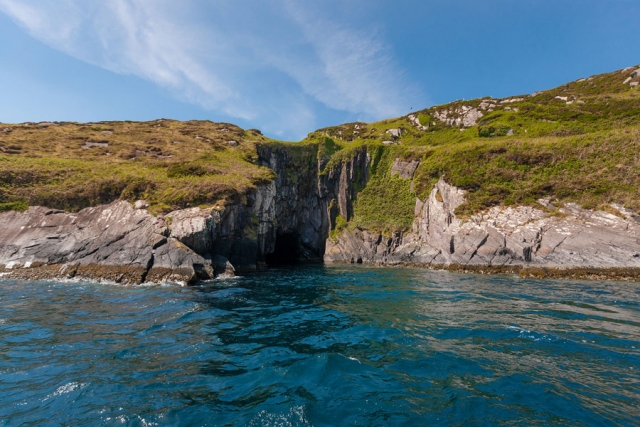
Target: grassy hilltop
x,y
579,142
170,164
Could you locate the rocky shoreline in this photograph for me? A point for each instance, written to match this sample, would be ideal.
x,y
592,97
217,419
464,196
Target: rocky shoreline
x,y
533,242
291,218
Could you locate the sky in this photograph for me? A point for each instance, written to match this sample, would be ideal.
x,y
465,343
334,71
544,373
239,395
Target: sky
x,y
290,67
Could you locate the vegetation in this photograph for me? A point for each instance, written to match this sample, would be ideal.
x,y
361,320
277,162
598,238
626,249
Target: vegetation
x,y
170,164
576,143
387,202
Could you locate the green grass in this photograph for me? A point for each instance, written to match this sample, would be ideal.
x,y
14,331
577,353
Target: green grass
x,y
386,203
585,152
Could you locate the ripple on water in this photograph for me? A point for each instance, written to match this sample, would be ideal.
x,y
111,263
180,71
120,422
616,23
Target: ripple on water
x,y
322,346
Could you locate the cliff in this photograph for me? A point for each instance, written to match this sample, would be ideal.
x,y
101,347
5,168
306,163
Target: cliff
x,y
541,185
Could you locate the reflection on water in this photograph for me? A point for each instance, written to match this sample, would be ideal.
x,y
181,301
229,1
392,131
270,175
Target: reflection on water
x,y
322,346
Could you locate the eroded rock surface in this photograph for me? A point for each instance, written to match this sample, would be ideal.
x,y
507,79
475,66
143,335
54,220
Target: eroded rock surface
x,y
289,220
524,236
112,242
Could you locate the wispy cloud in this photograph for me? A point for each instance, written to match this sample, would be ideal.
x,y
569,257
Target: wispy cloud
x,y
272,64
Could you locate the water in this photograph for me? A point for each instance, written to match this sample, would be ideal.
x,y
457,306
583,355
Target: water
x,y
322,346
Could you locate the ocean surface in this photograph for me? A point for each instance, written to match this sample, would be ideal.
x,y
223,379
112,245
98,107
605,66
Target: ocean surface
x,y
322,346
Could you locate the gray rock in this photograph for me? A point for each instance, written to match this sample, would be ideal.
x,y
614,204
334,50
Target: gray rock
x,y
140,204
404,169
394,133
223,268
89,144
232,143
521,236
109,242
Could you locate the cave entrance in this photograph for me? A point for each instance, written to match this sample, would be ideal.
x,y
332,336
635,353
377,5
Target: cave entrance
x,y
287,250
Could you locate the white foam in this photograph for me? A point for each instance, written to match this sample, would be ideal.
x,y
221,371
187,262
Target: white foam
x,y
65,389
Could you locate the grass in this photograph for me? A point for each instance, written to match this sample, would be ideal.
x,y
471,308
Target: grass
x,y
386,204
170,164
584,150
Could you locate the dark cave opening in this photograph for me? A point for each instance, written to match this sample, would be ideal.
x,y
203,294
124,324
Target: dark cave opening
x,y
287,250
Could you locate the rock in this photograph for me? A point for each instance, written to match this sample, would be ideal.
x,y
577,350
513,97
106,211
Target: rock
x,y
193,227
232,143
627,80
140,204
502,239
175,262
404,169
394,133
465,115
89,144
416,122
222,267
636,73
633,84
510,132
562,98
112,242
388,143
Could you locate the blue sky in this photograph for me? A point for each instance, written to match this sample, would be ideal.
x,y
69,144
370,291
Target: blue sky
x,y
289,67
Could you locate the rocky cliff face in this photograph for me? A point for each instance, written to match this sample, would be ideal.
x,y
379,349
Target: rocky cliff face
x,y
501,239
286,220
112,242
308,202
289,220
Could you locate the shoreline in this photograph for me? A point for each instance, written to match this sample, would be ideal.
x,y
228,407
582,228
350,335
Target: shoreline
x,y
133,276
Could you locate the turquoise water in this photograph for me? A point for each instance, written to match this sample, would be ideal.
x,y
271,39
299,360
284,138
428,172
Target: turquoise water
x,y
322,346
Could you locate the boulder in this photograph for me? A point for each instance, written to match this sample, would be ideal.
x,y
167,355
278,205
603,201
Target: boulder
x,y
222,267
394,133
404,169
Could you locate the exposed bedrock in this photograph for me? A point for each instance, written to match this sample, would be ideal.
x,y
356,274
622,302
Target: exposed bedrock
x,y
112,242
307,202
289,220
523,237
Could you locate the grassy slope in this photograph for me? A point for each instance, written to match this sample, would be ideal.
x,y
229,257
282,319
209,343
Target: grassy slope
x,y
587,152
168,163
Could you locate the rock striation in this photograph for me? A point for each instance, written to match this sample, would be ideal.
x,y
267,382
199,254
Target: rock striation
x,y
532,241
112,242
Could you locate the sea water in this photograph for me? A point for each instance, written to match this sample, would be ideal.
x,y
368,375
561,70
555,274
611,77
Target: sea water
x,y
322,346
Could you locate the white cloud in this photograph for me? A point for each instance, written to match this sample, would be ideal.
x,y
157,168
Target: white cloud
x,y
266,63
